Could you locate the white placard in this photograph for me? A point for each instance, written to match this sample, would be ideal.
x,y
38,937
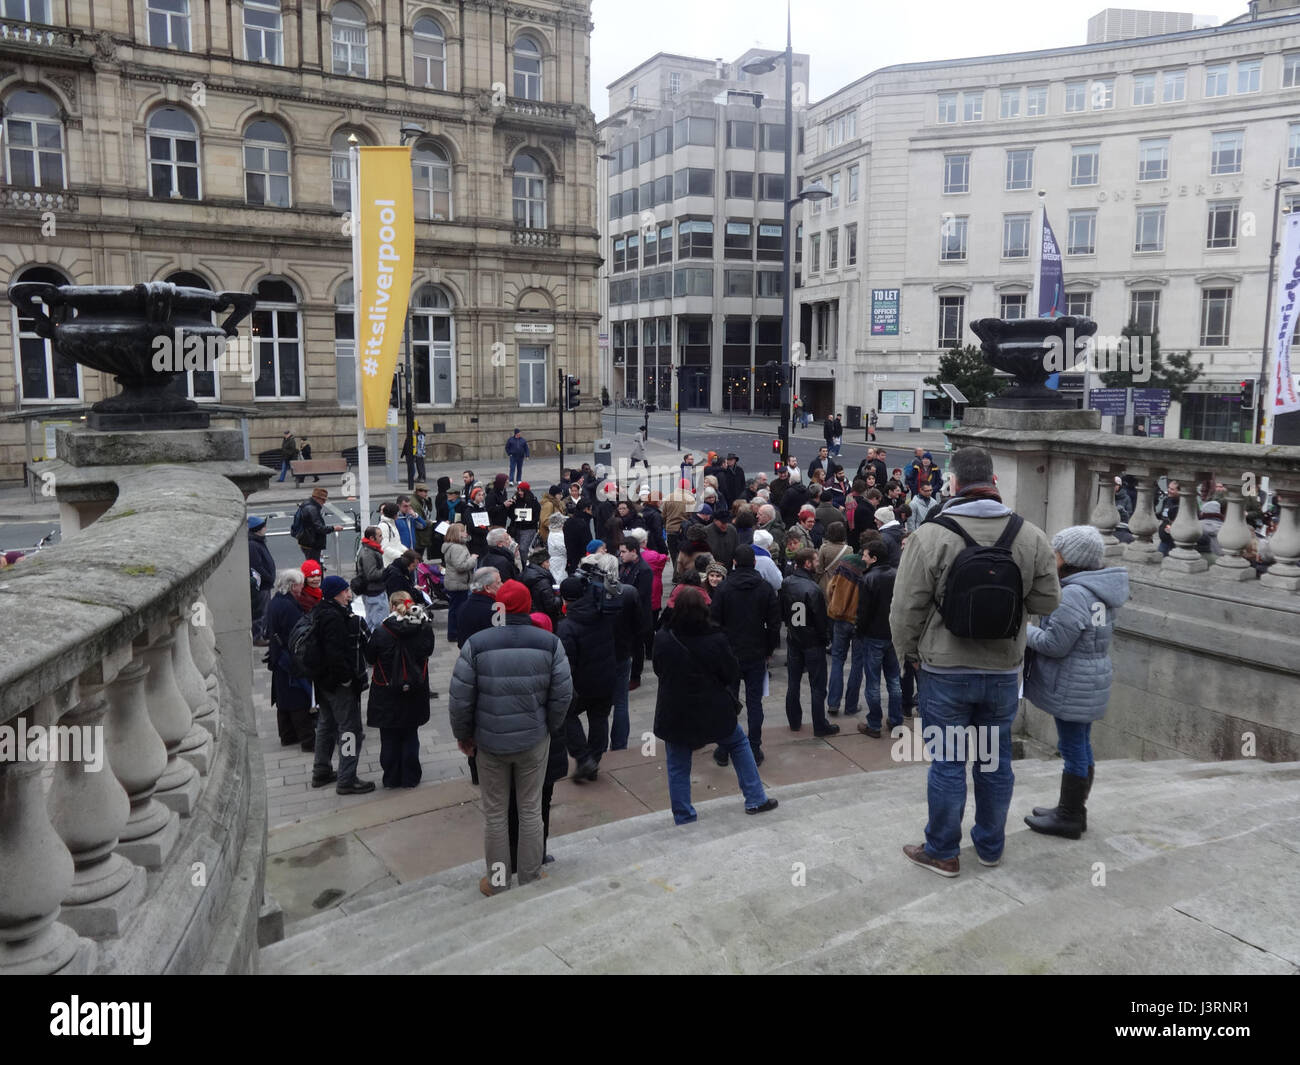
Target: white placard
x,y
523,514
479,518
442,527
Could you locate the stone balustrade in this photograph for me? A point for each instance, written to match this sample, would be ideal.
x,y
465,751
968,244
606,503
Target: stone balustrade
x,y
138,844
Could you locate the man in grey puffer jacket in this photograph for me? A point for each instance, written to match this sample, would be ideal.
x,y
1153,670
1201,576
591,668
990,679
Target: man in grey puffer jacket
x,y
510,690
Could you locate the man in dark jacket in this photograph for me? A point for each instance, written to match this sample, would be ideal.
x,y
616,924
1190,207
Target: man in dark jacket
x,y
652,517
891,531
399,576
525,512
588,642
732,479
516,451
874,464
537,578
579,531
341,638
288,452
745,607
803,609
828,434
500,554
312,539
634,570
477,611
510,690
824,462
721,537
875,596
262,564
795,497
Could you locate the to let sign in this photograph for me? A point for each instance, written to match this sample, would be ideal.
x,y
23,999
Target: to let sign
x,y
884,312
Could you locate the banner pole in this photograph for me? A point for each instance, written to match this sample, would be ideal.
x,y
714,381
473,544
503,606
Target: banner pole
x,y
363,453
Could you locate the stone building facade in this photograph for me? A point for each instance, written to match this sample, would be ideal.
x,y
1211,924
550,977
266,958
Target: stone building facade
x,y
207,143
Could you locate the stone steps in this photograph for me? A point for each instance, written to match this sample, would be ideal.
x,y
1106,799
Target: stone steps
x,y
1196,856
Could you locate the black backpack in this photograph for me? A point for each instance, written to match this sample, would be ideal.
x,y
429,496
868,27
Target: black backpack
x,y
984,597
299,526
305,657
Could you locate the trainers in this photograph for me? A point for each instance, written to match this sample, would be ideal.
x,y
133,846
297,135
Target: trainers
x,y
915,853
867,730
991,864
771,804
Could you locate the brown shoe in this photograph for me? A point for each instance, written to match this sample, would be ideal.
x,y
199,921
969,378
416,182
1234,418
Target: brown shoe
x,y
916,854
485,886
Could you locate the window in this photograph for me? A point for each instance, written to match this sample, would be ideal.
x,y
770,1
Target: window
x,y
952,313
629,201
738,282
1291,70
173,155
528,190
1103,94
27,11
34,141
1012,305
1009,106
1221,230
771,187
769,283
1020,168
169,24
528,69
773,137
1293,146
835,189
854,175
41,377
664,189
947,107
1085,164
1153,159
652,245
430,49
814,206
1225,152
814,253
1216,316
832,249
1015,236
634,251
1082,233
692,130
631,94
740,183
646,194
663,141
1174,84
431,176
1144,89
1216,80
619,257
674,83
972,106
199,383
348,36
532,376
840,129
1036,100
266,164
277,332
1150,229
616,205
627,156
263,31
770,245
851,245
1076,95
798,244
692,181
666,243
952,238
1144,309
740,134
956,173
345,345
694,239
647,150
738,241
1248,76
1078,304
693,282
432,338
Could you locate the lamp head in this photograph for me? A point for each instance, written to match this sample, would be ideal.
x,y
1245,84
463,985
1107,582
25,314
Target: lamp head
x,y
814,191
409,133
765,65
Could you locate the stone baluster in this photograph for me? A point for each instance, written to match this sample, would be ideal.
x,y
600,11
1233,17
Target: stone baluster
x,y
138,757
1186,529
89,808
1285,571
1143,524
179,786
35,868
1233,537
196,748
203,646
1105,515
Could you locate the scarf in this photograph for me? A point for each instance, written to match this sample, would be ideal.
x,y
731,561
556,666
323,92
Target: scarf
x,y
371,543
978,491
308,597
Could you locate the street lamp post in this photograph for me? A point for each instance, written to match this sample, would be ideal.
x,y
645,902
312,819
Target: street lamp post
x,y
407,134
1274,248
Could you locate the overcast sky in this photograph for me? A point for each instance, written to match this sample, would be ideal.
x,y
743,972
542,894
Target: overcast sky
x,y
845,39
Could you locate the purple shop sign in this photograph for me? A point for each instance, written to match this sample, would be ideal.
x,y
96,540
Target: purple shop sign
x,y
1149,402
1110,401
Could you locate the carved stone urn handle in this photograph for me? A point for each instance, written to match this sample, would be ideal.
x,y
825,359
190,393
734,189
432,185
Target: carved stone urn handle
x,y
242,304
24,295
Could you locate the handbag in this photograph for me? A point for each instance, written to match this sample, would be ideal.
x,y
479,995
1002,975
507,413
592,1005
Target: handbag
x,y
736,704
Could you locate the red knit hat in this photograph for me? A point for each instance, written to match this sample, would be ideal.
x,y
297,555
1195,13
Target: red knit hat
x,y
515,597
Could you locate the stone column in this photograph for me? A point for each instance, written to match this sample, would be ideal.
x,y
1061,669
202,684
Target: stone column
x,y
1105,515
203,646
1143,523
89,808
196,748
138,757
1186,530
1234,536
816,330
179,786
1285,571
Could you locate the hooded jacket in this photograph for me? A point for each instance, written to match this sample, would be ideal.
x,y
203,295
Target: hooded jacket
x,y
875,594
588,640
745,607
399,652
722,542
813,630
693,706
260,560
1069,675
457,567
342,643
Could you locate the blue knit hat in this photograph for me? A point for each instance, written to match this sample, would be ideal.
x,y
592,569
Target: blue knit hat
x,y
594,545
255,522
331,586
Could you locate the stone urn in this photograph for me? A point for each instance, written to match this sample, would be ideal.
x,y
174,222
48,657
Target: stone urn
x,y
1031,350
146,335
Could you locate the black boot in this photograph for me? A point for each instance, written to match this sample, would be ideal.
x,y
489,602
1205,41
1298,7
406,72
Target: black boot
x,y
1067,818
1044,811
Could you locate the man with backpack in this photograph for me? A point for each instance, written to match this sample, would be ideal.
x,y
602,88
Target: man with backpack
x,y
309,527
843,581
968,581
328,645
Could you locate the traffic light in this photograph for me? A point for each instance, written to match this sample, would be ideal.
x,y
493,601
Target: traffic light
x,y
1248,395
572,393
776,447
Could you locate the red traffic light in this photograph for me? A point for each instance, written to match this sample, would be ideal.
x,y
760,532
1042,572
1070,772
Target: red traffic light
x,y
776,446
776,467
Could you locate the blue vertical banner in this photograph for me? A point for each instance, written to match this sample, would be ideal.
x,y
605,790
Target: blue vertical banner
x,y
1051,284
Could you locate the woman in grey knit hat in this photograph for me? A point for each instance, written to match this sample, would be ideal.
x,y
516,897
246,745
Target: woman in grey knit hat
x,y
1068,669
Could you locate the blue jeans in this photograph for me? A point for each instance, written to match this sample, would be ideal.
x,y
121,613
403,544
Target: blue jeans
x,y
622,725
742,760
284,468
752,673
843,645
955,700
516,469
880,653
813,659
1074,741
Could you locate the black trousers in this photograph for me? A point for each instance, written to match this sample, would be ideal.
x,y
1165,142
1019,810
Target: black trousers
x,y
587,745
399,757
908,681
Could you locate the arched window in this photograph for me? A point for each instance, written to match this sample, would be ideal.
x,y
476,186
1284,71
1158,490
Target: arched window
x,y
341,168
195,384
277,332
173,155
41,377
345,344
169,24
528,69
348,34
431,173
263,31
266,164
34,141
430,47
432,344
529,192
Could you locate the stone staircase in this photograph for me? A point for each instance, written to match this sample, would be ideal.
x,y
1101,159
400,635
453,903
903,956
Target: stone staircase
x,y
1186,868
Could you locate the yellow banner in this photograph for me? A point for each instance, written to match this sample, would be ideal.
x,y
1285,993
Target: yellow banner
x,y
386,233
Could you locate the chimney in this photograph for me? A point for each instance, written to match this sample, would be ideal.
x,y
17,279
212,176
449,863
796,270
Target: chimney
x,y
721,68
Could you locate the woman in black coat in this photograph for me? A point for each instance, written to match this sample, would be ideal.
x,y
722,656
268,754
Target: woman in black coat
x,y
399,650
694,706
291,695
